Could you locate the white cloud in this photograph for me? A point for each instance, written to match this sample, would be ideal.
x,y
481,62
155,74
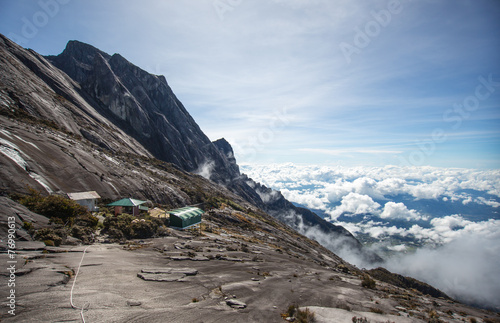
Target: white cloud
x,y
394,210
206,169
354,203
466,268
338,190
467,200
373,191
399,247
391,186
446,229
482,200
309,199
465,261
426,190
267,197
461,255
379,231
381,182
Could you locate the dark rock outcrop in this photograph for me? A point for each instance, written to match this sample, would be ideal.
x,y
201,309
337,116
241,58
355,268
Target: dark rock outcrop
x,y
12,212
384,275
144,106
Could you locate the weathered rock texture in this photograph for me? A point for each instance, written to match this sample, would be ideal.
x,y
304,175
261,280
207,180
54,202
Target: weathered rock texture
x,y
86,120
144,106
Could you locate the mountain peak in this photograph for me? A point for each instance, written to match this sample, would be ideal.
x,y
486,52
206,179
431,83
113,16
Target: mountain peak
x,y
144,106
225,147
77,48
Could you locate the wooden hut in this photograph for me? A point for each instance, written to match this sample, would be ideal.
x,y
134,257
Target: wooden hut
x,y
128,205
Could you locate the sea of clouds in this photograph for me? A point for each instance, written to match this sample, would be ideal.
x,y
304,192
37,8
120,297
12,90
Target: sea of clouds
x,y
451,214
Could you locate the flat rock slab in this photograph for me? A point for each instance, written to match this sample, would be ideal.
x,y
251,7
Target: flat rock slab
x,y
179,258
161,277
200,258
30,245
232,259
185,271
55,249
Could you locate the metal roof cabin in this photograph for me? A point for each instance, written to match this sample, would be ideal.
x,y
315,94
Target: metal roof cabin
x,y
185,217
132,206
86,199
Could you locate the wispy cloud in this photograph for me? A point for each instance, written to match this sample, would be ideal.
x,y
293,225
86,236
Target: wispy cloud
x,y
352,150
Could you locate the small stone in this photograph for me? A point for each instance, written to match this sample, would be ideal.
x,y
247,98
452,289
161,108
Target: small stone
x,y
232,259
168,270
185,271
179,258
134,303
200,258
234,303
156,270
23,271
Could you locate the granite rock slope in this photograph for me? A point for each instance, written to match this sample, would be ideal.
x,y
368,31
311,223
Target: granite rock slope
x,y
87,120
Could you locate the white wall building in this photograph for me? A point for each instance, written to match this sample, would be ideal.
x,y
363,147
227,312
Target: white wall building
x,y
86,199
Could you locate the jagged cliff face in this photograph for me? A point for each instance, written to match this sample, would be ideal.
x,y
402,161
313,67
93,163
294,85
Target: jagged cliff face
x,y
33,88
86,120
144,106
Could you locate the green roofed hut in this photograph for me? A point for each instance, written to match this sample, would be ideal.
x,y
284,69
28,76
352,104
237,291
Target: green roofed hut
x,y
185,217
131,206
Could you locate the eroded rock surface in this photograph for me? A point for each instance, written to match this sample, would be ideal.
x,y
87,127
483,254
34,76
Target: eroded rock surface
x,y
255,290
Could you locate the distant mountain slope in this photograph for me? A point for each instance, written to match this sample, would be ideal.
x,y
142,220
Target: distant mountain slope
x,y
96,121
33,89
384,275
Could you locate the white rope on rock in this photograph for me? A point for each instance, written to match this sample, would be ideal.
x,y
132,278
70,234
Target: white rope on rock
x,y
86,306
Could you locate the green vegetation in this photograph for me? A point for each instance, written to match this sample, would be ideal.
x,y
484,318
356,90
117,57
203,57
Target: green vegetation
x,y
343,305
434,317
51,237
58,209
376,310
126,226
368,282
66,216
300,316
359,320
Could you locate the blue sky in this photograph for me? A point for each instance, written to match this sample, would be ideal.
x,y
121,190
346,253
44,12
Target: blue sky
x,y
350,83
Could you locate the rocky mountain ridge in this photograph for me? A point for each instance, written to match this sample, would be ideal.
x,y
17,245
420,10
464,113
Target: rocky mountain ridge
x,y
102,106
144,106
62,135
